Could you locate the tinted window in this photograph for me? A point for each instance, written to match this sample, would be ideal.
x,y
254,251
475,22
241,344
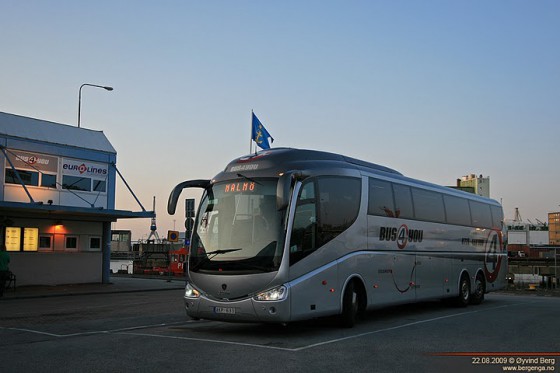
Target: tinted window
x,y
457,210
48,181
76,183
27,177
403,202
99,185
95,242
71,242
497,217
428,205
325,208
339,202
380,200
481,216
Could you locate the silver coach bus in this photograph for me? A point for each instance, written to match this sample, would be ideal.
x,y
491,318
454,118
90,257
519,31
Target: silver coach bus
x,y
290,234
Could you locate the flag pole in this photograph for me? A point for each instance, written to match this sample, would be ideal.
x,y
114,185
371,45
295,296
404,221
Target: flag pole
x,y
251,135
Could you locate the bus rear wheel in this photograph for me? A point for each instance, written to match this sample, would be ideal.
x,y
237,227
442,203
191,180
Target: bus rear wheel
x,y
464,297
352,305
479,289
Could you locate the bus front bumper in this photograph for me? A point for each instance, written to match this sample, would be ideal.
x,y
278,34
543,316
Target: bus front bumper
x,y
241,310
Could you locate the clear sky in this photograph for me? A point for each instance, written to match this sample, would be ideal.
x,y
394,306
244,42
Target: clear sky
x,y
434,89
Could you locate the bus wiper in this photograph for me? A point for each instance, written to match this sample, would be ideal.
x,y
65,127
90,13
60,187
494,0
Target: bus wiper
x,y
210,255
248,178
221,251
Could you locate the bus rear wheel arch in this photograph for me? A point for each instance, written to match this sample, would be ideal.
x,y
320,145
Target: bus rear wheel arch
x,y
354,302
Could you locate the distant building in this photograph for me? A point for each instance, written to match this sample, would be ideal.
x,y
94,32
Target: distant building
x,y
554,228
121,241
57,201
475,184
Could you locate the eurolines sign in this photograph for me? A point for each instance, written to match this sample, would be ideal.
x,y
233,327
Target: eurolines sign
x,y
81,168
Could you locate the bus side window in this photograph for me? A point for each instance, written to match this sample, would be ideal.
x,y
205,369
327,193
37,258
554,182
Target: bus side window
x,y
403,202
381,199
457,210
339,205
481,215
497,217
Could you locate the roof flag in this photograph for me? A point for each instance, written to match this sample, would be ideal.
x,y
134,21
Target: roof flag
x,y
259,134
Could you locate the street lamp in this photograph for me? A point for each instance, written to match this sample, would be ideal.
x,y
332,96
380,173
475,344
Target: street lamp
x,y
80,96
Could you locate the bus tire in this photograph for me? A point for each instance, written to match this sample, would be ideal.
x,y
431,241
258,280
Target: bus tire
x,y
479,289
464,296
352,305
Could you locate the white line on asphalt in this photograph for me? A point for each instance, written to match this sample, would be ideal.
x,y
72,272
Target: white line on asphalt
x,y
94,331
324,342
128,331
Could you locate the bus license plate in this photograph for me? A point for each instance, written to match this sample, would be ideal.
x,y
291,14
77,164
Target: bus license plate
x,y
226,310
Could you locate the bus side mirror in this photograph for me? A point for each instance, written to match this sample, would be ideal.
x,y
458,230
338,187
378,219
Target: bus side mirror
x,y
284,187
176,192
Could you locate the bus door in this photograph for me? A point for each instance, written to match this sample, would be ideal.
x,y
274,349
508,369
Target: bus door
x,y
431,272
394,272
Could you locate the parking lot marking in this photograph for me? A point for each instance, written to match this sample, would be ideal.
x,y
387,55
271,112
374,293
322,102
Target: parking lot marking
x,y
111,331
324,342
209,340
131,331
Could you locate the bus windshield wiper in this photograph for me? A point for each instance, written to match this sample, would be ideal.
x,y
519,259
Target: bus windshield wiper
x,y
221,251
211,254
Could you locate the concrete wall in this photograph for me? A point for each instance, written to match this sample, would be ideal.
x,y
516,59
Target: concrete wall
x,y
54,268
517,237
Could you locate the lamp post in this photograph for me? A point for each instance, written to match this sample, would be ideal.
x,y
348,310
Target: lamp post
x,y
80,96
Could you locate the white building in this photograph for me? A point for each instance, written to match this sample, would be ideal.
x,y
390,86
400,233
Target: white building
x,y
57,201
479,184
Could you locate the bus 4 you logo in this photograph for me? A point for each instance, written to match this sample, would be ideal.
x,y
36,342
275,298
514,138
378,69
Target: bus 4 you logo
x,y
402,235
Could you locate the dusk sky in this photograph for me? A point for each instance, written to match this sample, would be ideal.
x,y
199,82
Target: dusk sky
x,y
433,89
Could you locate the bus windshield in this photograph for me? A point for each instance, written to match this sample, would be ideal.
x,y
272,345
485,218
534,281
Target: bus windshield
x,y
238,229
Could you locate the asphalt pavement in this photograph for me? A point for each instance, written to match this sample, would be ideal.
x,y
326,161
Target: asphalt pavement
x,y
117,284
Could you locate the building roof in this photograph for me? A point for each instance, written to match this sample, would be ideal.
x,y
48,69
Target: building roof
x,y
56,133
45,211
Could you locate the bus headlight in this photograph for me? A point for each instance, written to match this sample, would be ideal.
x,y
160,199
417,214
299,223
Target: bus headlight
x,y
191,292
275,294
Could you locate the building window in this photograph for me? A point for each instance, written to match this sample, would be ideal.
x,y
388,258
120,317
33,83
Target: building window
x,y
48,181
120,236
30,239
13,239
71,243
27,177
99,185
95,243
45,242
21,239
76,183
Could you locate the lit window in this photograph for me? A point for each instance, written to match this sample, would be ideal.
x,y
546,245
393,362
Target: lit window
x,y
30,239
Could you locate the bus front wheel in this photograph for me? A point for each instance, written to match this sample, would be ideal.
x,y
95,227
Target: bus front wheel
x,y
351,305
